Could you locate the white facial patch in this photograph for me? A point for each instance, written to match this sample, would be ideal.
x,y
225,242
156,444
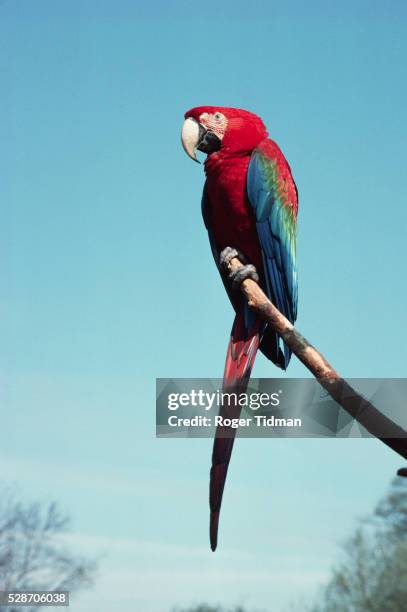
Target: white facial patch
x,y
215,122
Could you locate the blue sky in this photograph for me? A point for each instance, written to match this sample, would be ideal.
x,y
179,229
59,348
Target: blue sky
x,y
108,281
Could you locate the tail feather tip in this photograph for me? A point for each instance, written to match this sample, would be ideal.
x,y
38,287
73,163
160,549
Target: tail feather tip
x,y
213,530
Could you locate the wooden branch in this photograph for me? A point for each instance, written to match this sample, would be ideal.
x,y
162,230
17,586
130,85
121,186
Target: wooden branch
x,y
355,404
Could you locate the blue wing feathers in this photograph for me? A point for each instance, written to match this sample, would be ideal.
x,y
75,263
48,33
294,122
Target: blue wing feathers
x,y
276,228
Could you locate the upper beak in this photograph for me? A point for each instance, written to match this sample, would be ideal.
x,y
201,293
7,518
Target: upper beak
x,y
191,135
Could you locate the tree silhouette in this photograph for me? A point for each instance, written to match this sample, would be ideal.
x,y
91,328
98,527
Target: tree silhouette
x,y
371,577
33,554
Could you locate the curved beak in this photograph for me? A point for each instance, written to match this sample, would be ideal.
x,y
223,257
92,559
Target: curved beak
x,y
191,135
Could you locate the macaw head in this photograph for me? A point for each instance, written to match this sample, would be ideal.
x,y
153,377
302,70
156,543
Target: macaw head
x,y
218,128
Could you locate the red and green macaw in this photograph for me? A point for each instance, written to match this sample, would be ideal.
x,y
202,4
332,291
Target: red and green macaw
x,y
250,204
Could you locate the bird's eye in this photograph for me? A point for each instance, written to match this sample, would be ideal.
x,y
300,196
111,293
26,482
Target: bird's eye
x,y
218,116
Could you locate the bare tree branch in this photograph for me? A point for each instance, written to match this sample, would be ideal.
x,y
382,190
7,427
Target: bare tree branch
x,y
355,404
33,553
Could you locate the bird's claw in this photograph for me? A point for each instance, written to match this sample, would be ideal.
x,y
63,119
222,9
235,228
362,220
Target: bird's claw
x,y
228,254
238,276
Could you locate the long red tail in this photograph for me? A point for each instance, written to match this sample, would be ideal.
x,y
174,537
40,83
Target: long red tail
x,y
240,358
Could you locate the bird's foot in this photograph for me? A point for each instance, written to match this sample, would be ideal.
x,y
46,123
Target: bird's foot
x,y
228,254
237,277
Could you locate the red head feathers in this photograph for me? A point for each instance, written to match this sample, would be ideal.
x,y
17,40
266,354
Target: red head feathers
x,y
239,130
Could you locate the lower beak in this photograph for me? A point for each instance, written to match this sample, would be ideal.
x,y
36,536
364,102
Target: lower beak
x,y
191,135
